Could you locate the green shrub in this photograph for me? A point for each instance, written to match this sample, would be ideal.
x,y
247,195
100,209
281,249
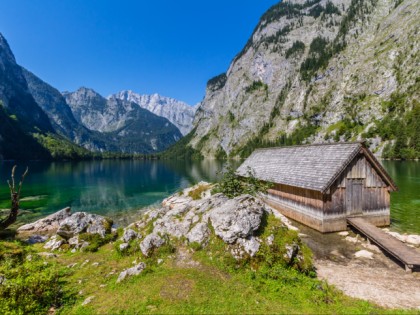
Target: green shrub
x,y
96,241
297,48
31,286
256,85
232,185
195,194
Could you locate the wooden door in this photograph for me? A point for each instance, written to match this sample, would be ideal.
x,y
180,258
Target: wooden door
x,y
354,196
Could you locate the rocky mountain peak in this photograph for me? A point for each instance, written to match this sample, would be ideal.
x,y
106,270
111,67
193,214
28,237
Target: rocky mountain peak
x,y
315,71
6,53
177,112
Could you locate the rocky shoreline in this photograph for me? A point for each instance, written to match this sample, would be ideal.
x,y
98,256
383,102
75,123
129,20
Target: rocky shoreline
x,y
194,217
184,219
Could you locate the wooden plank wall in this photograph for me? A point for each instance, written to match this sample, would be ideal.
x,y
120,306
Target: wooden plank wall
x,y
307,201
376,197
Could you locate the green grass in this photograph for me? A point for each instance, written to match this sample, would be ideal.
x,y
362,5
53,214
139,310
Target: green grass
x,y
218,283
196,193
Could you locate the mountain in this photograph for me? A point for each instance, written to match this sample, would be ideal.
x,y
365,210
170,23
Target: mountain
x,y
20,115
319,71
15,95
38,122
177,112
126,126
60,115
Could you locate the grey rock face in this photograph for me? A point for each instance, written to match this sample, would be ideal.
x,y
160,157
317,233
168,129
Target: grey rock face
x,y
199,233
15,95
237,218
178,113
136,270
49,224
81,222
381,36
54,243
150,242
58,111
233,220
33,239
251,245
129,235
125,125
124,246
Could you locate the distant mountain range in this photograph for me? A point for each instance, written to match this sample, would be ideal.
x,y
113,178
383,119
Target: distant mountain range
x,y
178,113
37,121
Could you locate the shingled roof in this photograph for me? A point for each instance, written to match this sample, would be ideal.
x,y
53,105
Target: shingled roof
x,y
313,167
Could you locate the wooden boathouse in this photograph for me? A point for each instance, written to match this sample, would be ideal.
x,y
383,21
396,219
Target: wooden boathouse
x,y
322,185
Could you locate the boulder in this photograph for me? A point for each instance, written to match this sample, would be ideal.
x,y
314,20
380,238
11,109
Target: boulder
x,y
270,240
250,245
398,236
134,271
413,240
199,233
364,254
81,222
352,239
88,300
123,247
237,218
54,243
129,235
150,242
344,233
33,239
46,225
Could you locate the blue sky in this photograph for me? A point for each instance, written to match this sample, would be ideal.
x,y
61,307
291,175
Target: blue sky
x,y
168,47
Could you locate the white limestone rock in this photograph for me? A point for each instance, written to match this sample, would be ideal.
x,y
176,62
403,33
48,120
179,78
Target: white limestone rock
x,y
177,112
54,243
81,222
250,245
413,240
364,254
150,242
134,271
199,233
237,218
46,225
129,235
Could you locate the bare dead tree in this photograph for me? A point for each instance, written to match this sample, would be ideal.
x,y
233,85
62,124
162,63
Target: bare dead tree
x,y
15,198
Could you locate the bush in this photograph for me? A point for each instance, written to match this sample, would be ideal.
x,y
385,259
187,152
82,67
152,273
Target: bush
x,y
233,185
30,286
96,241
297,48
195,194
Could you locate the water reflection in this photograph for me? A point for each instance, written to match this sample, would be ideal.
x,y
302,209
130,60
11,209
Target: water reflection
x,y
106,187
405,204
117,187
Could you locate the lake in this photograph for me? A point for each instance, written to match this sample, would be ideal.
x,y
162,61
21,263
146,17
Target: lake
x,y
120,188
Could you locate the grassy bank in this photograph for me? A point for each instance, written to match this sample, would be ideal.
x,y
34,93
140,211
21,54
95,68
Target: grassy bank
x,y
178,279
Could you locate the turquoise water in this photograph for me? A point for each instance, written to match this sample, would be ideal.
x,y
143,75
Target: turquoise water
x,y
405,203
115,188
104,187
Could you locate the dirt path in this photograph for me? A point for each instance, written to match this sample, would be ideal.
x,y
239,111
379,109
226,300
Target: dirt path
x,y
379,280
388,287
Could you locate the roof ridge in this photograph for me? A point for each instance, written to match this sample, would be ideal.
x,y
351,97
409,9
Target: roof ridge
x,y
309,145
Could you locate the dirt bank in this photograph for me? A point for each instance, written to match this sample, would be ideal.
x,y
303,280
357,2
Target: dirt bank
x,y
380,279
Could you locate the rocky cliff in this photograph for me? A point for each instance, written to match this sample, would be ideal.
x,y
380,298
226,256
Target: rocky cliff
x,y
177,112
126,126
60,115
20,115
319,70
